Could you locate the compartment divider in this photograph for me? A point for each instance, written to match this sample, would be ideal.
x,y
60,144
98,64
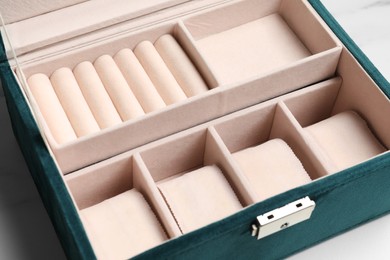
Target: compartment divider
x,y
187,42
216,151
143,181
316,163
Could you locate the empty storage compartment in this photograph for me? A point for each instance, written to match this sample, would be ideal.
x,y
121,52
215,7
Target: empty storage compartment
x,y
265,147
341,123
195,180
248,39
120,214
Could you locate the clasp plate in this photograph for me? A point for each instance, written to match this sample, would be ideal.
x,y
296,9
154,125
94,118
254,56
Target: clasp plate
x,y
282,218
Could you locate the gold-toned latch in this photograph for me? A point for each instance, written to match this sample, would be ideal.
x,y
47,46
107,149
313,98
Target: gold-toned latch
x,y
282,218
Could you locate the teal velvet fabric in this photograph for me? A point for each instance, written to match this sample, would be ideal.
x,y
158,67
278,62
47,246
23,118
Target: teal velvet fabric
x,y
344,200
368,66
46,176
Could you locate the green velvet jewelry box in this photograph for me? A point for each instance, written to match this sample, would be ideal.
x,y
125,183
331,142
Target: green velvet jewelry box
x,y
281,81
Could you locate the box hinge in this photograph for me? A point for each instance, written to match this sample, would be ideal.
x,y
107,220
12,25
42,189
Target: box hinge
x,y
282,218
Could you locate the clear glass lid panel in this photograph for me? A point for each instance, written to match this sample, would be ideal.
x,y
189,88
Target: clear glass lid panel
x,y
39,29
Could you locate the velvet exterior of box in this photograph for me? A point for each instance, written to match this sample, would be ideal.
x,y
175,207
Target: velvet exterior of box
x,y
343,200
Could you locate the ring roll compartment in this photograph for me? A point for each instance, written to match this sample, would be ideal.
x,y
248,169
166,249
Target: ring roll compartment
x,y
125,88
120,213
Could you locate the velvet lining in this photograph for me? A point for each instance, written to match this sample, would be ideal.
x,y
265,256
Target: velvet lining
x,y
338,197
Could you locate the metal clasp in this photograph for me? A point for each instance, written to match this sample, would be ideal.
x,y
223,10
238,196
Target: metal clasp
x,y
282,218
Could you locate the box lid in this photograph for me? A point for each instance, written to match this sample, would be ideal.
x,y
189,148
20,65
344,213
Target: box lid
x,y
18,10
35,24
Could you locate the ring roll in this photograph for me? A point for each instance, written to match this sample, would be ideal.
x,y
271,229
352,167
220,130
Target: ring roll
x,y
96,95
139,81
73,102
180,65
124,100
159,73
51,108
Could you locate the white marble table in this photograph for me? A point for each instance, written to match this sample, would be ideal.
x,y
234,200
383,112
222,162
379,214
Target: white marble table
x,y
26,231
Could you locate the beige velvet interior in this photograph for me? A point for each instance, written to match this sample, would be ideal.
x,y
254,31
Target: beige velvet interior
x,y
238,155
38,22
345,139
14,11
152,80
51,108
166,123
120,209
271,167
180,66
251,49
199,197
177,157
341,135
238,47
139,81
96,95
73,102
340,141
110,90
122,226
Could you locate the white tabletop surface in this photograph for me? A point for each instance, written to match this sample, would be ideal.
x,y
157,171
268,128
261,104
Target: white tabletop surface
x,y
27,233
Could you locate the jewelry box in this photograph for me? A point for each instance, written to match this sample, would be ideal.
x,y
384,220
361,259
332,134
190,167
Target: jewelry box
x,y
196,129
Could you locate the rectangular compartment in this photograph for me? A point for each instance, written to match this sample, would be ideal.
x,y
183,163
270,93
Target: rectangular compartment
x,y
249,39
268,151
119,210
195,179
343,126
101,142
